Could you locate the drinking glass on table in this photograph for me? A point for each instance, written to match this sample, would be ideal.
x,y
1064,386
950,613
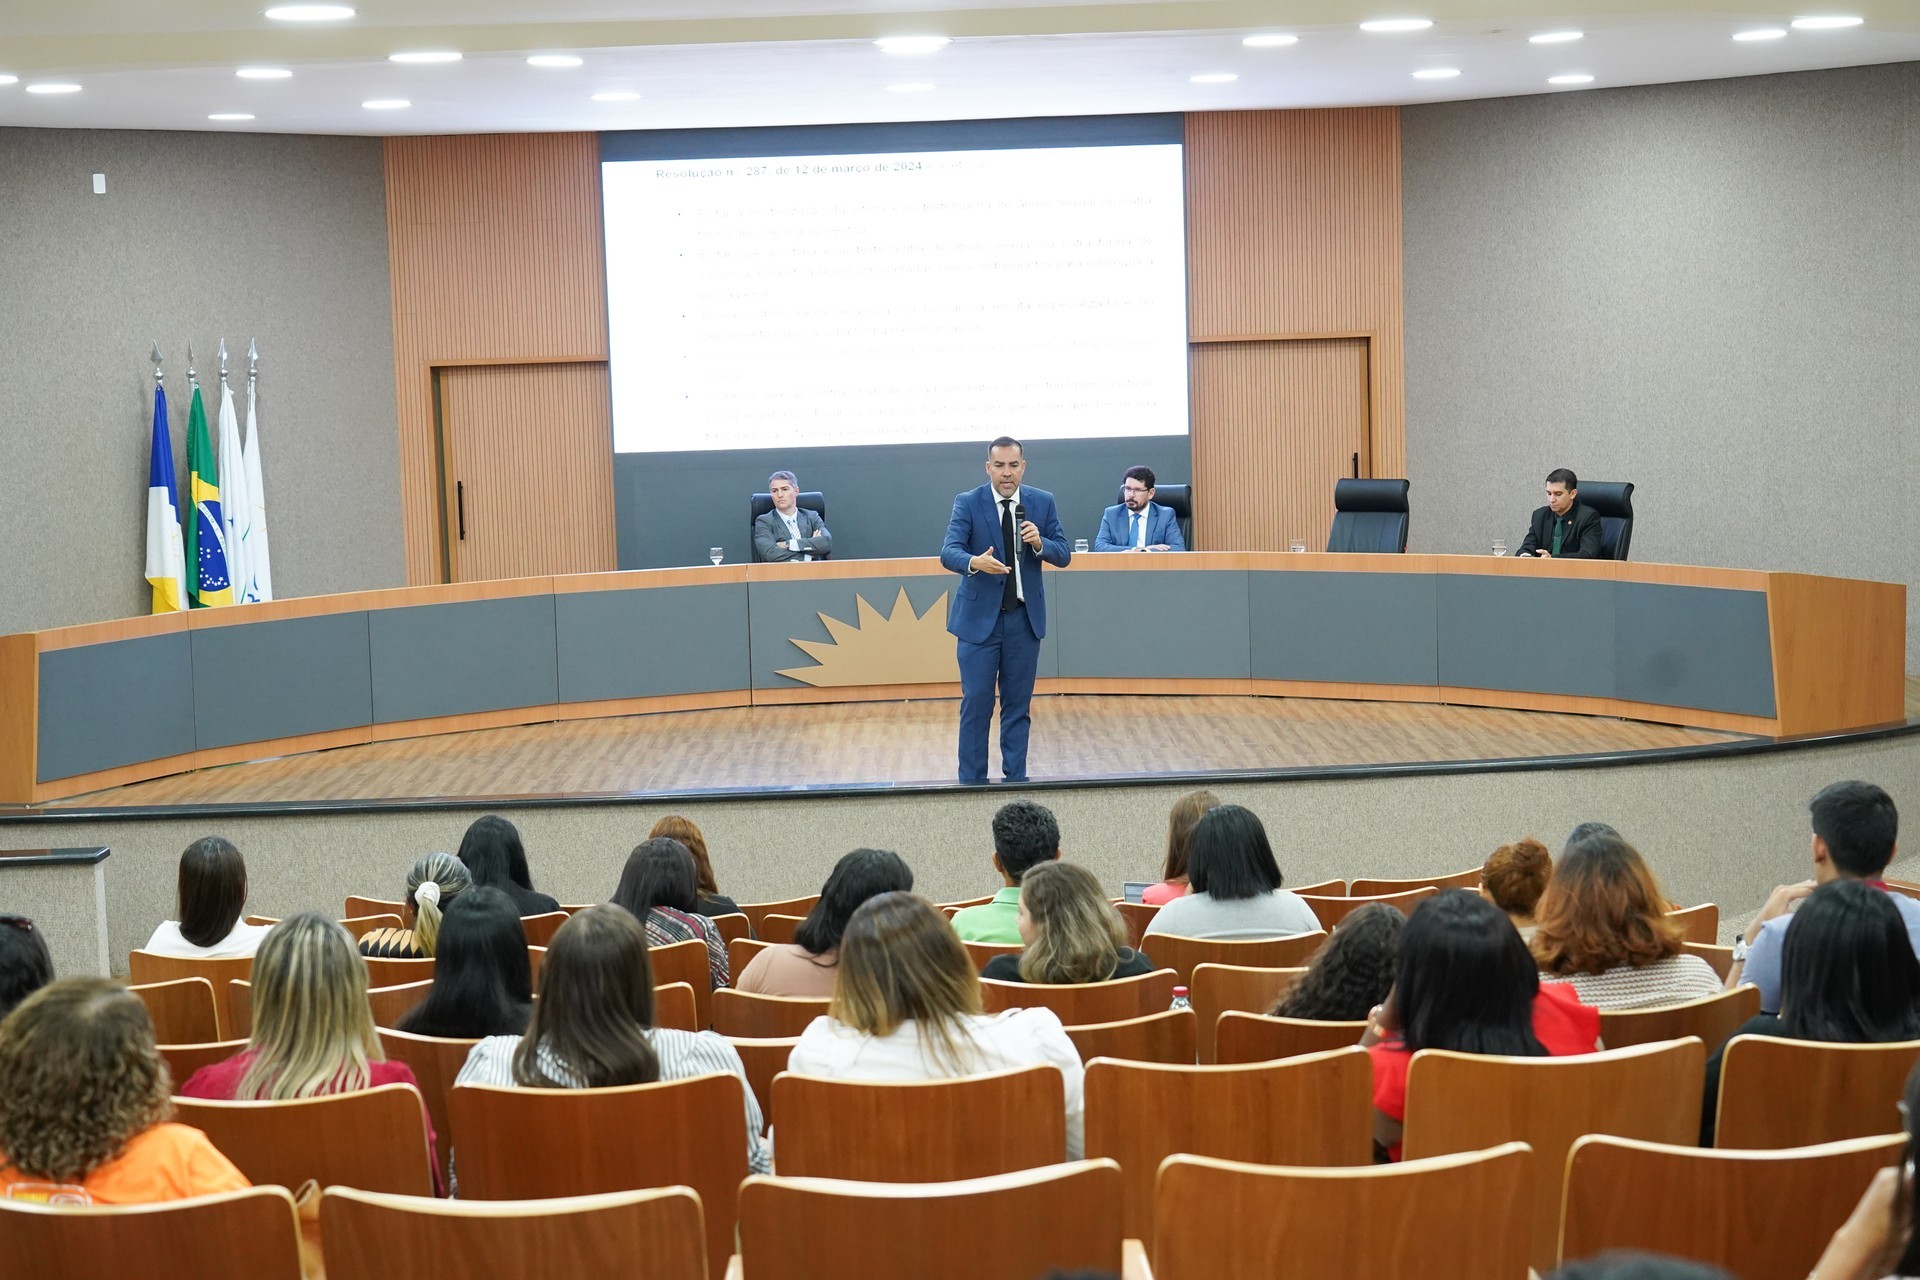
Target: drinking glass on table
x,y
716,554
1079,546
1298,544
1499,546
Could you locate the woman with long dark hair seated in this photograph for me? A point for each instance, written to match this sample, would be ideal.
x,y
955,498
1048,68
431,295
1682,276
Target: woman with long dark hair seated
x,y
593,1025
1353,970
1847,976
1070,930
493,855
808,966
26,965
1465,982
482,981
660,888
211,895
1234,884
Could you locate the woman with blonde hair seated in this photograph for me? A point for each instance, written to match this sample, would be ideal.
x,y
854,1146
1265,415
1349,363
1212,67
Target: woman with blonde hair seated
x,y
1070,930
433,883
907,1007
85,1104
1602,928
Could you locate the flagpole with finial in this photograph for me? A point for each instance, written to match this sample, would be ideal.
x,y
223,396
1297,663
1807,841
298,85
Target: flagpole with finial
x,y
193,379
159,375
223,362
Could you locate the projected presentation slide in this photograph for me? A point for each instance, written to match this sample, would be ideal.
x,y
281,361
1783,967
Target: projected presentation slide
x,y
800,301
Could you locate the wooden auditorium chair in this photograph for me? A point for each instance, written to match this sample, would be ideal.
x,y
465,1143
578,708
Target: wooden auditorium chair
x,y
757,912
740,953
390,1004
686,962
1698,924
983,952
1712,1018
238,1009
1171,1036
252,1233
776,927
361,926
747,1014
434,1061
1468,879
1325,888
1260,1037
541,928
359,906
763,1059
183,1011
149,968
1077,1003
732,925
1215,989
1795,1093
1137,916
1171,951
373,1139
185,1059
1330,911
384,972
1720,959
675,1007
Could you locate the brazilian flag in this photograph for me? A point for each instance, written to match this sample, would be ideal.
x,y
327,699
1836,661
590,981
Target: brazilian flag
x,y
206,534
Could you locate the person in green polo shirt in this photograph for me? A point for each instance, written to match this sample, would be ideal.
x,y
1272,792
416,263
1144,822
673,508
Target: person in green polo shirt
x,y
1024,835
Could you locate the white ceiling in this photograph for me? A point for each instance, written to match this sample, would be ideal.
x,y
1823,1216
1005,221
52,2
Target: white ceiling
x,y
168,64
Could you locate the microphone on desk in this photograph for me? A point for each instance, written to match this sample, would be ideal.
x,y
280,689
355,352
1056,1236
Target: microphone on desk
x,y
1019,518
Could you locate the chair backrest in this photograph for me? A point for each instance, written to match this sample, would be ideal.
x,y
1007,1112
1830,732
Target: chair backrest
x,y
981,952
740,953
686,962
1177,498
743,1013
358,906
920,1130
1258,1037
676,1007
1063,1218
525,1144
1316,1110
372,1139
776,927
1215,989
390,1004
1369,515
760,503
644,1235
1084,1002
252,1233
541,928
361,926
183,1011
237,1015
1836,1091
1325,888
1461,1217
732,925
763,1059
1467,1102
1712,1018
1468,879
950,907
1612,501
1719,958
1698,924
1171,951
185,1059
1331,911
1138,915
1168,1036
755,912
382,972
1717,1207
435,1062
149,968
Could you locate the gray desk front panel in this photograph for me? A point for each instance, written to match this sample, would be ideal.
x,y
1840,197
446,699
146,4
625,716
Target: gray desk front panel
x,y
1536,635
1186,625
782,612
456,659
1702,647
105,705
1365,628
651,643
263,680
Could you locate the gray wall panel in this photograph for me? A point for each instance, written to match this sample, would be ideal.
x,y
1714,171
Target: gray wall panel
x,y
651,643
1184,625
782,612
1694,647
278,679
1545,635
456,659
105,705
1373,628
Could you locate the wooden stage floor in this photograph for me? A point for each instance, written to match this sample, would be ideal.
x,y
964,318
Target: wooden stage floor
x,y
755,749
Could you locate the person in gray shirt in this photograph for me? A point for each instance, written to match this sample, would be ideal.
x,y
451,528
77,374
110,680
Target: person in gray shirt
x,y
1235,883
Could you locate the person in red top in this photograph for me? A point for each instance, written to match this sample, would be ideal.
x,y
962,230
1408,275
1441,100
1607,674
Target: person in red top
x,y
85,1101
1465,982
312,1028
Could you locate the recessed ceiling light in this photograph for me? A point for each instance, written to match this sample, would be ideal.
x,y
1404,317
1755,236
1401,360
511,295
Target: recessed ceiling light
x,y
386,104
1397,24
1436,73
617,95
1214,77
229,115
1570,79
912,44
53,86
554,60
1269,40
264,73
1555,37
310,12
916,87
1826,22
427,55
4,79
1761,33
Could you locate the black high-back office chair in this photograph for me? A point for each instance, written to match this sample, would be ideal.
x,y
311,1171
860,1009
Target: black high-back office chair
x,y
1369,515
1179,499
1613,501
760,503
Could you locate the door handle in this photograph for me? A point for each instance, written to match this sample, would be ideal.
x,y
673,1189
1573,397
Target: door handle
x,y
460,505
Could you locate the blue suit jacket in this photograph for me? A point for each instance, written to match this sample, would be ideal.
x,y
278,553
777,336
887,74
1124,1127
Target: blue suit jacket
x,y
1162,526
975,527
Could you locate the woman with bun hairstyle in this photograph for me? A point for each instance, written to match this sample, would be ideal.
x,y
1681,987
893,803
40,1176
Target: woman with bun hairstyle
x,y
432,885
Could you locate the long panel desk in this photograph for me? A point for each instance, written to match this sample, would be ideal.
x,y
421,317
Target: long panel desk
x,y
1778,654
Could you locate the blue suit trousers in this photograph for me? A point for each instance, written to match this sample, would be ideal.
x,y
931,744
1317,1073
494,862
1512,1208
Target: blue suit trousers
x,y
1011,655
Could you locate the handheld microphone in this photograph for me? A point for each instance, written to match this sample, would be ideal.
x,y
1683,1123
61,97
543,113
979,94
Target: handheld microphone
x,y
1019,518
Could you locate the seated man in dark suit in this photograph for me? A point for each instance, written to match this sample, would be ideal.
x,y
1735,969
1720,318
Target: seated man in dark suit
x,y
789,531
1138,523
1563,529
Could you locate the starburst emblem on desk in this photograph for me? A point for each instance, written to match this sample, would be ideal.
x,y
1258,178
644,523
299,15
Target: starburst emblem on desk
x,y
899,648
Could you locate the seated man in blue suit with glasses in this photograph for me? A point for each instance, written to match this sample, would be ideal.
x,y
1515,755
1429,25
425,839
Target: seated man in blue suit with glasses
x,y
1138,523
997,539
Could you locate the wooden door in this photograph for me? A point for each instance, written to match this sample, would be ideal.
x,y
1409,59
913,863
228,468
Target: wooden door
x,y
1275,423
527,460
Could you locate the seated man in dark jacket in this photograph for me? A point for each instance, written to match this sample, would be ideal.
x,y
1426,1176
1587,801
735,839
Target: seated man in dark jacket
x,y
1563,529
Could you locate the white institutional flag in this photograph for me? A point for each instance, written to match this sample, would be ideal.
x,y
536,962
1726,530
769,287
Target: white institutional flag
x,y
236,502
259,580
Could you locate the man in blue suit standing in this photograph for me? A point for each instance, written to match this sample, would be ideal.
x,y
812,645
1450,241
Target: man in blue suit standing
x,y
997,539
1137,522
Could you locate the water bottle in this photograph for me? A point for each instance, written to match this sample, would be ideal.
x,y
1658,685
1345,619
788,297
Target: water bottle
x,y
1180,1000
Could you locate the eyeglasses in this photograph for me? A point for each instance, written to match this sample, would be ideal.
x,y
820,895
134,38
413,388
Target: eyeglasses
x,y
1134,488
